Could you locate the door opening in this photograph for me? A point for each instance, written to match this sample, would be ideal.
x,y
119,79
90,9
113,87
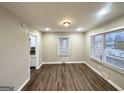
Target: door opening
x,y
33,51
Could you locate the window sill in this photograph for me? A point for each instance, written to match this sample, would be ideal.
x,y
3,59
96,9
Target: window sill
x,y
114,68
116,57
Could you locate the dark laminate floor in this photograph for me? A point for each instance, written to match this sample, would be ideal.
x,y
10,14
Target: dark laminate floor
x,y
65,77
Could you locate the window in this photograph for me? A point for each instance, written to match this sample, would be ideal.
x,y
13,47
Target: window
x,y
109,48
97,47
114,49
63,46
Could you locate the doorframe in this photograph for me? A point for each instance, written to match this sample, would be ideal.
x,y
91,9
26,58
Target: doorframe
x,y
37,50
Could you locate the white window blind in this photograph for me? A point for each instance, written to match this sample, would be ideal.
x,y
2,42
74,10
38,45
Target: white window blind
x,y
63,46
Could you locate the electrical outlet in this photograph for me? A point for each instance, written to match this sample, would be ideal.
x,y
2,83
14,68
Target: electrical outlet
x,y
105,75
6,88
63,61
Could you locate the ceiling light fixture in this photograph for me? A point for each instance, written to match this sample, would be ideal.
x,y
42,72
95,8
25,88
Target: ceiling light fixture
x,y
47,29
104,11
66,21
79,29
66,24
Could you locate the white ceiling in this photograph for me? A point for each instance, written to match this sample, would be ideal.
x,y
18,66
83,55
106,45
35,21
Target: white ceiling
x,y
82,14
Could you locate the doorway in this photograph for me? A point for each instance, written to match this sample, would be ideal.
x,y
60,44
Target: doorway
x,y
34,52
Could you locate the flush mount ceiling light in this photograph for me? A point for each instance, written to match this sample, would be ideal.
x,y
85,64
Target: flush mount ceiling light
x,y
66,24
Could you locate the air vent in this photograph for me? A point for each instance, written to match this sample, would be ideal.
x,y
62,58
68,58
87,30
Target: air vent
x,y
6,88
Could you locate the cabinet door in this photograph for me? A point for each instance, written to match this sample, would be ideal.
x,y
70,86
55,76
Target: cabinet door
x,y
33,61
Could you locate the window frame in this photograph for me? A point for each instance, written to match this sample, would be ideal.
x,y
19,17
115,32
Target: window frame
x,y
58,38
103,62
102,45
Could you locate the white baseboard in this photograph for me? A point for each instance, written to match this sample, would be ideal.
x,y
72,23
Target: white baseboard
x,y
116,86
39,66
93,68
68,62
27,79
23,84
108,80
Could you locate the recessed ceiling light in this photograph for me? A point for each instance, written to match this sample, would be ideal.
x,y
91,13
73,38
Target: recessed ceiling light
x,y
80,29
104,11
47,29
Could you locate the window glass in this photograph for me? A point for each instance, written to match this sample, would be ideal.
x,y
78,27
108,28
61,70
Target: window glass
x,y
92,45
98,48
114,48
109,48
63,46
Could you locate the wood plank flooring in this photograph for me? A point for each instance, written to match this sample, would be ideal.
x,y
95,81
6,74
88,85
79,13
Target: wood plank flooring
x,y
66,77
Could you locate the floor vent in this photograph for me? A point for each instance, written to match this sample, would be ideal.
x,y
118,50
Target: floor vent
x,y
6,88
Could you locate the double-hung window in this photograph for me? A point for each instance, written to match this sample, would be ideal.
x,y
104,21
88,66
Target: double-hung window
x,y
108,48
63,46
114,49
97,46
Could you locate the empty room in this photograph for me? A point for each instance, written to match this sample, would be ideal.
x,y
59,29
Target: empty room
x,y
61,46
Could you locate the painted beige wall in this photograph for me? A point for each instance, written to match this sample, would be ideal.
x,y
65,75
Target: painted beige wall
x,y
14,50
114,76
50,41
14,56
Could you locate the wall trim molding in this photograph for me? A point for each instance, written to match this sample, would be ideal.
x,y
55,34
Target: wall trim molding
x,y
19,89
108,80
68,62
39,66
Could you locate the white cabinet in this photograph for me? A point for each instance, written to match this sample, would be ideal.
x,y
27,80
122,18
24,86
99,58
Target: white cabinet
x,y
33,60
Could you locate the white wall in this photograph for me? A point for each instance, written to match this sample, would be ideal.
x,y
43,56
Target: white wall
x,y
114,76
50,47
14,50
